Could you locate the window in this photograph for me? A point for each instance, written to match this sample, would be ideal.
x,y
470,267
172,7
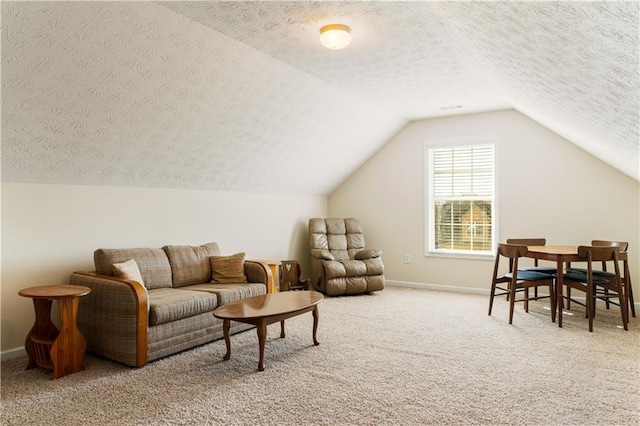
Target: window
x,y
460,199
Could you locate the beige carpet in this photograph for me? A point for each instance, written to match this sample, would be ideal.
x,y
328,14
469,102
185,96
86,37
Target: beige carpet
x,y
397,357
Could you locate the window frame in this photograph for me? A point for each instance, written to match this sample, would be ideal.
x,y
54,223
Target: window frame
x,y
429,213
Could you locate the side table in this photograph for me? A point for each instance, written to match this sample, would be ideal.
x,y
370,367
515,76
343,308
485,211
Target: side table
x,y
273,265
59,350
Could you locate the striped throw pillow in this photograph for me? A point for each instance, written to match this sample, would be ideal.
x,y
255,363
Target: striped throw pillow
x,y
228,269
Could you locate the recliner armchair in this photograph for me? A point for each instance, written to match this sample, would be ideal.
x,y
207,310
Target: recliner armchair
x,y
340,264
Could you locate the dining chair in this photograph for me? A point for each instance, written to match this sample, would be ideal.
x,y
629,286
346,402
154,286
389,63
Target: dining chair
x,y
533,242
518,281
535,267
596,286
625,276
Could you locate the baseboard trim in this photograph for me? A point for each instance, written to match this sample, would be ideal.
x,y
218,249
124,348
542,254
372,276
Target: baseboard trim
x,y
13,353
438,287
460,289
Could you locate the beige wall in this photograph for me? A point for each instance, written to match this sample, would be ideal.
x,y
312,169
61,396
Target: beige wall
x,y
546,187
48,231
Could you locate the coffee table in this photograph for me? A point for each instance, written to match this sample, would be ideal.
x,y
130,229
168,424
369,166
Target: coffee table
x,y
266,309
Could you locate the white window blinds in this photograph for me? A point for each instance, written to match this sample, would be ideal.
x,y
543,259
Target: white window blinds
x,y
461,198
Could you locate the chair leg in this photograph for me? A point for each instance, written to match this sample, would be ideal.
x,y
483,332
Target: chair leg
x,y
493,291
568,298
629,293
631,302
552,298
526,299
624,306
591,305
512,302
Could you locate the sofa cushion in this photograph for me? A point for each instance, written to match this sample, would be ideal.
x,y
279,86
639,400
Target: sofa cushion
x,y
231,292
153,264
171,304
128,270
190,264
228,269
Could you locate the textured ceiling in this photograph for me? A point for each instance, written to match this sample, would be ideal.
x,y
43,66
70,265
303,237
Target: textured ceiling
x,y
240,96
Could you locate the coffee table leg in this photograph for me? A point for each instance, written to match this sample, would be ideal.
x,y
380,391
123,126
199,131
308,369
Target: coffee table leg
x,y
225,329
282,329
316,314
262,339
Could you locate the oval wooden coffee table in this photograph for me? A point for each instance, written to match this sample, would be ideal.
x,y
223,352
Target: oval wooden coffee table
x,y
266,309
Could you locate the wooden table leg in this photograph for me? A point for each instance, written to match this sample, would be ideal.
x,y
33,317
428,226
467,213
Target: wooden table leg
x,y
226,325
44,329
316,315
559,290
67,352
282,329
262,339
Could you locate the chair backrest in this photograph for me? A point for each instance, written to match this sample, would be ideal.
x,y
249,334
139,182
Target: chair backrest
x,y
623,245
599,253
512,251
342,237
602,254
289,274
527,241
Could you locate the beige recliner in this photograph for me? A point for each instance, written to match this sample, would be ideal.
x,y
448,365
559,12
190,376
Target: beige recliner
x,y
339,262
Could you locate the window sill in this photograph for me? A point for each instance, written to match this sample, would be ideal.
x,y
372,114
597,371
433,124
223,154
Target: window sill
x,y
461,255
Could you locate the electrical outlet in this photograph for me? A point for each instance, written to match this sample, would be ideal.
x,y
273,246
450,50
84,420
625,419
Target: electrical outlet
x,y
407,258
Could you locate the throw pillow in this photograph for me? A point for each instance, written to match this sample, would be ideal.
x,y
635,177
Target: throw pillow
x,y
228,269
128,270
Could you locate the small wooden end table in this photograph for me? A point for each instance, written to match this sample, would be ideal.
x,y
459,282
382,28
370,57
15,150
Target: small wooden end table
x,y
273,265
59,350
267,309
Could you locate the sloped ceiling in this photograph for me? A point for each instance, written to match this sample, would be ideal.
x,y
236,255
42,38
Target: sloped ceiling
x,y
240,96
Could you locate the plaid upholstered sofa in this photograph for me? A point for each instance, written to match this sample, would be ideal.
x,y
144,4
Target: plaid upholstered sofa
x,y
164,303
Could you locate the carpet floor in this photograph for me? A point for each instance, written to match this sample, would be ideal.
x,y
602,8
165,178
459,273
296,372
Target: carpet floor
x,y
397,357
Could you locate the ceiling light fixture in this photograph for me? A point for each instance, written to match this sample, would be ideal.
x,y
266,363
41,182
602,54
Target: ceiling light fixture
x,y
335,36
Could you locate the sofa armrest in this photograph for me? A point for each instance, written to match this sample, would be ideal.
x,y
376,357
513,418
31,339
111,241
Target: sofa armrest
x,y
322,254
257,272
114,317
367,254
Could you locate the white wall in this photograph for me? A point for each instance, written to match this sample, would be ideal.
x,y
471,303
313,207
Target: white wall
x,y
546,187
49,231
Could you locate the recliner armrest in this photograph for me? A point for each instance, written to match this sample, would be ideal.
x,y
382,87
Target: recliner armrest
x,y
322,254
367,254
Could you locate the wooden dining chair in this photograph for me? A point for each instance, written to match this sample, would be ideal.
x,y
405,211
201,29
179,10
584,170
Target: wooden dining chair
x,y
518,281
596,286
536,267
602,272
533,242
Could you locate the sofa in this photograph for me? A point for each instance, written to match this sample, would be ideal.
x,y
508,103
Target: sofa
x,y
340,264
148,303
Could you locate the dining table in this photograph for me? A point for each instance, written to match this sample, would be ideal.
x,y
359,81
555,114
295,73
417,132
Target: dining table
x,y
567,254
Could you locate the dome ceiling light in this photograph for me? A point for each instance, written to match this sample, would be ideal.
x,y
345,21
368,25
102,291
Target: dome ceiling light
x,y
335,36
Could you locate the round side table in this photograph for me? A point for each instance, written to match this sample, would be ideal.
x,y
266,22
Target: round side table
x,y
59,350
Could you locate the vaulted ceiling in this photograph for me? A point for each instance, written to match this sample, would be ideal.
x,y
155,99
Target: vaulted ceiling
x,y
240,96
